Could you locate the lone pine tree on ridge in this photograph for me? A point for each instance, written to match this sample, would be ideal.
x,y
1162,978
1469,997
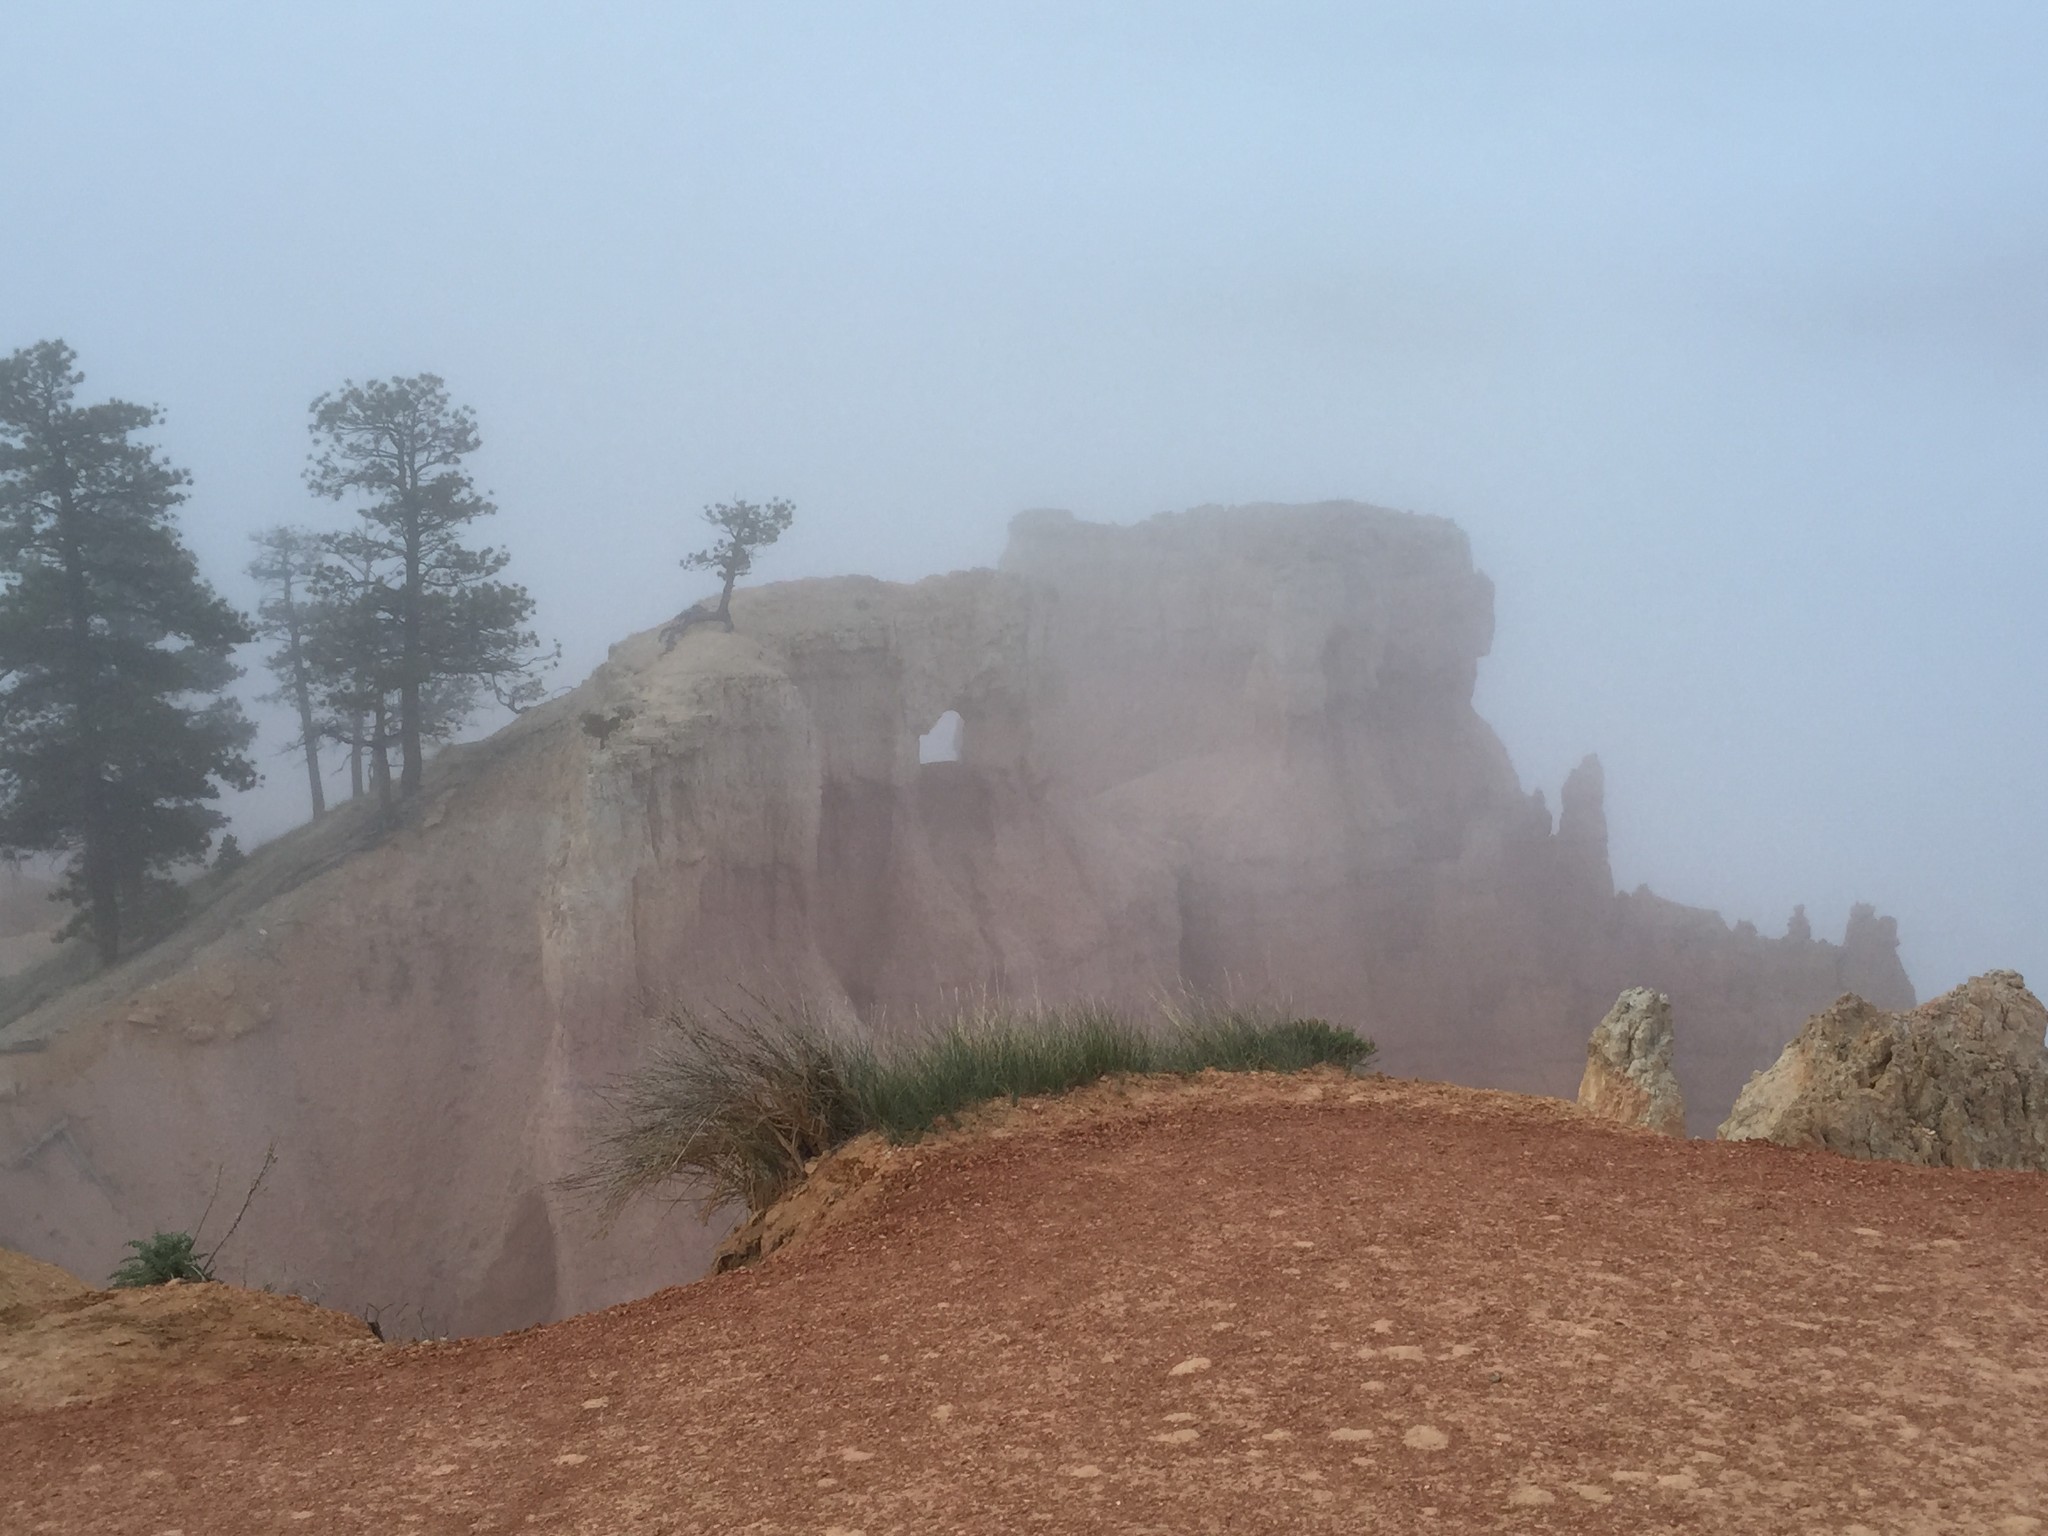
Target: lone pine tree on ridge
x,y
744,528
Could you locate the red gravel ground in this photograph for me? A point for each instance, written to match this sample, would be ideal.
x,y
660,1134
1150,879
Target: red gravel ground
x,y
1273,1305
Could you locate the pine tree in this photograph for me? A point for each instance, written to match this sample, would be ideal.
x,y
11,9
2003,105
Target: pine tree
x,y
115,736
429,625
286,562
743,527
346,647
354,652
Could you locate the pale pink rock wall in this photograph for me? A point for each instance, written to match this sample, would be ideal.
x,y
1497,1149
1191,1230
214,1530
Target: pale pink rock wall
x,y
1232,749
1282,699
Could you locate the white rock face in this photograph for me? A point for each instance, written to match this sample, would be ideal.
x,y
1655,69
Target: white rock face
x,y
1629,1076
1231,749
1961,1082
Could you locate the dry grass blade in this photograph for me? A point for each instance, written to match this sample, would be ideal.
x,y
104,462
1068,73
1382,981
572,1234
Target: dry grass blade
x,y
735,1103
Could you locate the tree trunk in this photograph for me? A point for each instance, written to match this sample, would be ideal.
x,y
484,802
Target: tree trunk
x,y
102,888
725,599
409,737
380,762
355,756
409,689
102,885
414,667
302,686
319,791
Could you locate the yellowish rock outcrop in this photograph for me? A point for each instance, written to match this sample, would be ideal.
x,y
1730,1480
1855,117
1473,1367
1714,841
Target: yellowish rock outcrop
x,y
1629,1076
1961,1082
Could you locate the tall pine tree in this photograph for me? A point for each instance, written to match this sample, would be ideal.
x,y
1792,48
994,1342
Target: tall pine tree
x,y
355,647
115,736
441,628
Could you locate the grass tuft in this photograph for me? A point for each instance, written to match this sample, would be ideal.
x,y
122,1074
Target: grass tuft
x,y
733,1101
159,1259
989,1054
739,1103
1255,1040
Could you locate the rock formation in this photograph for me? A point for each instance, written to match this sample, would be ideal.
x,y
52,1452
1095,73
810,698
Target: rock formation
x,y
1961,1082
1628,1077
1232,749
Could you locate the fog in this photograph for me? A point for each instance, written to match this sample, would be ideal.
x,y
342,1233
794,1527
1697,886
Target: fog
x,y
1721,328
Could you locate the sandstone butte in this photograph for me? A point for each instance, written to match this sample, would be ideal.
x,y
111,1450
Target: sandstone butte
x,y
1248,1305
1230,749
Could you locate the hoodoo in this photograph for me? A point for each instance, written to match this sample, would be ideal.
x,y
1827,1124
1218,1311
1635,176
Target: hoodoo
x,y
1230,749
1629,1076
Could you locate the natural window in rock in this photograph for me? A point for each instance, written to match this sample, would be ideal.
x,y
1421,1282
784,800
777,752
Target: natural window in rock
x,y
941,744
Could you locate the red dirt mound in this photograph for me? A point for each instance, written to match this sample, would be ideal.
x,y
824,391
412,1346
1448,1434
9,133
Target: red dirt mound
x,y
63,1342
1272,1305
27,1284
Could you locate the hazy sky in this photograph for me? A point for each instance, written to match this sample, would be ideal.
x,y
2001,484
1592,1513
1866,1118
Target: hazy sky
x,y
1722,328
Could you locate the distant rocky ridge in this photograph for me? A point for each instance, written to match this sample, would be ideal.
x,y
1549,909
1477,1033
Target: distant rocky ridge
x,y
1232,749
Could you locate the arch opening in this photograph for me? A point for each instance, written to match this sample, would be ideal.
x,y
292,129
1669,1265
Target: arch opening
x,y
941,744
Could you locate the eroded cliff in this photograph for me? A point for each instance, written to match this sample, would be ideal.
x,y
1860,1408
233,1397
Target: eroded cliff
x,y
1231,749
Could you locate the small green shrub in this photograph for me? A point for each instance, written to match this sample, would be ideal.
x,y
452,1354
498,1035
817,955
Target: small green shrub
x,y
742,1102
159,1259
166,1256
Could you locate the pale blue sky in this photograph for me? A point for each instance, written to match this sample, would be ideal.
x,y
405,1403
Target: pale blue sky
x,y
1722,328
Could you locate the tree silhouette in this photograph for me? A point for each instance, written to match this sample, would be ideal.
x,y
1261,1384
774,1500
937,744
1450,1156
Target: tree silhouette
x,y
431,624
114,736
744,527
286,563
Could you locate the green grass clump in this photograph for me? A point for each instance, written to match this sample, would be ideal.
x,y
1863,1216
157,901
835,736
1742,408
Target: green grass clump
x,y
922,1082
159,1259
1241,1040
741,1102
